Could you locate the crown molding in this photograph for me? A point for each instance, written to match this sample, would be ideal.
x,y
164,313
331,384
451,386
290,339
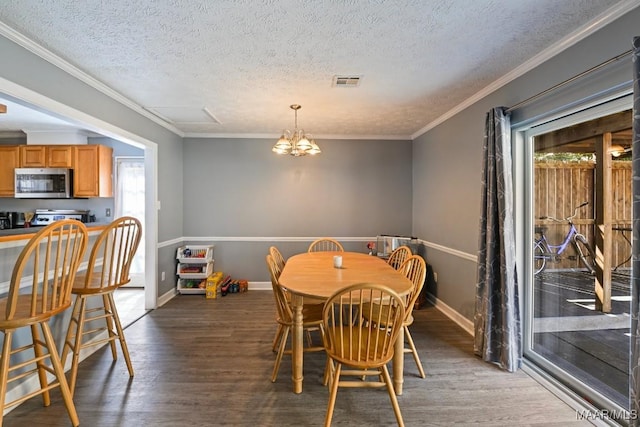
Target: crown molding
x,y
581,33
589,28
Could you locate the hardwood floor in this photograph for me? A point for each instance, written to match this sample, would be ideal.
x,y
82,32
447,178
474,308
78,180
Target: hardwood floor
x,y
205,362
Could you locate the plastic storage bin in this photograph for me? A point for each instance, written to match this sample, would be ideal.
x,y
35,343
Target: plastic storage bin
x,y
195,265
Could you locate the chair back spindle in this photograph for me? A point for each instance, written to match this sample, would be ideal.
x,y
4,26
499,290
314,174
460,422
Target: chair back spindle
x,y
325,245
398,256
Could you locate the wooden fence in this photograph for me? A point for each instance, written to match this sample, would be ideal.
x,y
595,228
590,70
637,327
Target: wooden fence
x,y
559,187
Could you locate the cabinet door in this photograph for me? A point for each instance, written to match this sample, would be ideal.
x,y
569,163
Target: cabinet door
x,y
33,156
93,171
9,160
59,156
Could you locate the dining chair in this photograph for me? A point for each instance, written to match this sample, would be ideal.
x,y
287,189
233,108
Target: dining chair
x,y
414,268
107,270
277,270
277,257
398,256
353,342
311,315
40,288
325,245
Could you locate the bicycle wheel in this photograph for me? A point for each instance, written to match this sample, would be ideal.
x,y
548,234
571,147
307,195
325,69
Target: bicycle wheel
x,y
539,257
585,253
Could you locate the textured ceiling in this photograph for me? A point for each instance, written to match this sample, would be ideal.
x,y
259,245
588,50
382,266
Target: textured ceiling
x,y
246,61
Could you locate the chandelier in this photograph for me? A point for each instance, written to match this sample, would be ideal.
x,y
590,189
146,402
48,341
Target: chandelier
x,y
296,143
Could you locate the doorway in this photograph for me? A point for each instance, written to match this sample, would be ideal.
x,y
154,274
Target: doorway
x,y
569,332
130,201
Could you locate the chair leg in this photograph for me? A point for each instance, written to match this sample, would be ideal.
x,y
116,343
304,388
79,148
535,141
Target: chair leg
x,y
42,372
59,371
72,331
392,396
335,380
4,369
108,311
277,337
414,351
123,342
328,372
283,343
77,317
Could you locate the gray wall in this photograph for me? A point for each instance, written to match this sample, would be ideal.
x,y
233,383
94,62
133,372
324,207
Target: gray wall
x,y
25,69
239,190
447,160
236,188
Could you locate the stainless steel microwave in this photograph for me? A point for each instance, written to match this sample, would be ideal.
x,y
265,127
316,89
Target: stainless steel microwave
x,y
43,183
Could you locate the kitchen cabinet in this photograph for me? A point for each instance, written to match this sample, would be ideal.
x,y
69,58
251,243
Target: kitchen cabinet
x,y
59,156
9,160
93,171
46,156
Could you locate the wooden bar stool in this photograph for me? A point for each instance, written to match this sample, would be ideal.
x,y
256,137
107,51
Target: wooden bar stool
x,y
45,270
108,269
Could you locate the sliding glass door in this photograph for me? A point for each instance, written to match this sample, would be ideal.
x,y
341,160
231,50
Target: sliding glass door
x,y
577,235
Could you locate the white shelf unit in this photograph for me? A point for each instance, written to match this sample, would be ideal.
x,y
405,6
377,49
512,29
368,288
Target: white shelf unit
x,y
195,264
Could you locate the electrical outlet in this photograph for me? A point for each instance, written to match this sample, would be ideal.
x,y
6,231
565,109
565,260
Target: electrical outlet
x,y
162,276
107,212
435,277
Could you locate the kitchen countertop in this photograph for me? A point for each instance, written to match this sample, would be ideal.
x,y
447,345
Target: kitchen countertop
x,y
25,233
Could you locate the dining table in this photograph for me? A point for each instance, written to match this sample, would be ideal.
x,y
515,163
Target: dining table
x,y
313,276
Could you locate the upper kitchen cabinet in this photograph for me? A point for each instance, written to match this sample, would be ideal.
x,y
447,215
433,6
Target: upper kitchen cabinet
x,y
46,156
93,171
9,160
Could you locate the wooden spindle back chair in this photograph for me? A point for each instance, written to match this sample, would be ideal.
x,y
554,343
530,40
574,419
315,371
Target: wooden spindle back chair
x,y
414,268
398,256
325,245
40,288
354,340
311,315
108,269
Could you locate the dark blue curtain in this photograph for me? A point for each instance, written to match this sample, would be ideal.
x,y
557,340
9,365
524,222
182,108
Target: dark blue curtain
x,y
498,336
634,368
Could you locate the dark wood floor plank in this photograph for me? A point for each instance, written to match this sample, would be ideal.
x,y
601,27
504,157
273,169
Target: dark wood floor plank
x,y
205,362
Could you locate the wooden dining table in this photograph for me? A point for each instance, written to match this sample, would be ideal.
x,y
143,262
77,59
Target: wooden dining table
x,y
313,276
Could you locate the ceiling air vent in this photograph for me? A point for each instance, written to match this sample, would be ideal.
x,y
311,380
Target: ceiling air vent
x,y
346,81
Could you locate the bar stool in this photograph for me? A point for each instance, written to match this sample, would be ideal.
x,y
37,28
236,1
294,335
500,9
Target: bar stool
x,y
108,269
45,270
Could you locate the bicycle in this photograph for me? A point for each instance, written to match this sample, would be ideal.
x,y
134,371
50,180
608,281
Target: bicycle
x,y
544,252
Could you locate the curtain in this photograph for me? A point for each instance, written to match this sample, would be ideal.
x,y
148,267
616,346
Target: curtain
x,y
498,337
634,360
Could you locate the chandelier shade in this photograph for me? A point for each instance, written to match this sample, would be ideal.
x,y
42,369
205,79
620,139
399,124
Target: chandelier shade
x,y
296,143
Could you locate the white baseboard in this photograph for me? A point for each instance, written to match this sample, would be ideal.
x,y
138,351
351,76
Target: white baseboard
x,y
260,286
460,320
